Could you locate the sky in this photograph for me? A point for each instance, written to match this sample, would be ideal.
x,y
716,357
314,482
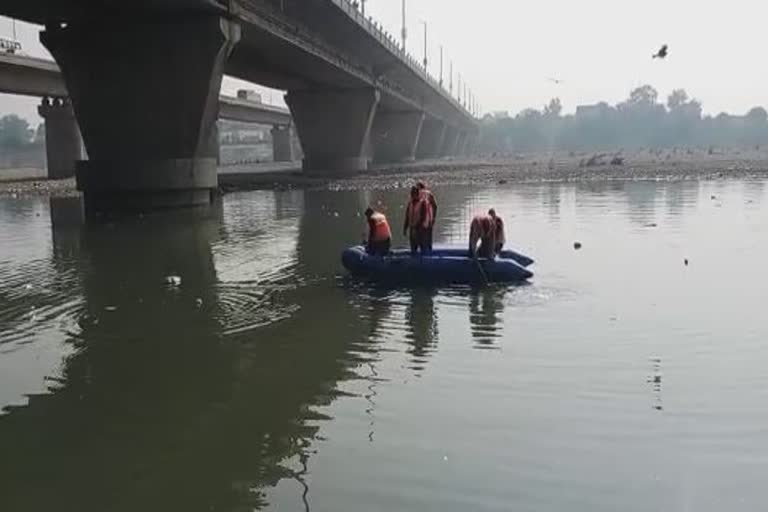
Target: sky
x,y
600,49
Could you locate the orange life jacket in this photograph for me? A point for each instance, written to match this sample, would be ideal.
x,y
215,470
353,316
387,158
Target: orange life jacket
x,y
380,230
418,208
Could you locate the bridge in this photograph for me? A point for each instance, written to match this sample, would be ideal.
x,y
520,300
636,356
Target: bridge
x,y
30,76
143,78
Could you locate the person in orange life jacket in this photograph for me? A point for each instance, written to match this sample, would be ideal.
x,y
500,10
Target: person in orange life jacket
x,y
418,219
499,234
482,229
379,233
433,204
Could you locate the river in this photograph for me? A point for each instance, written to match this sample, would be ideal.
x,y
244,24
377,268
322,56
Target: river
x,y
222,361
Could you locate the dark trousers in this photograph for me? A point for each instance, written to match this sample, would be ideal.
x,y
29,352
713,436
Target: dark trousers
x,y
419,241
428,238
379,248
486,249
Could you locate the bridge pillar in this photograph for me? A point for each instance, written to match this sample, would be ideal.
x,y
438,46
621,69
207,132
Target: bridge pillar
x,y
63,144
334,127
282,143
461,144
146,95
395,136
431,140
450,141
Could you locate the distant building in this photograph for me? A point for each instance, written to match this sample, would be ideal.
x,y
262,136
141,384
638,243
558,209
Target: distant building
x,y
592,112
249,95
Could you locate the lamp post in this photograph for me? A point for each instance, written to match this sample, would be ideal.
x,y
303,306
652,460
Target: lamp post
x,y
363,4
425,44
441,65
404,32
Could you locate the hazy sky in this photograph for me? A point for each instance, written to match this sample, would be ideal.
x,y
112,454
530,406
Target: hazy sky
x,y
600,49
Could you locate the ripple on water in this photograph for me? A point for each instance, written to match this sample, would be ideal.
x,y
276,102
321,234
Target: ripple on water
x,y
33,298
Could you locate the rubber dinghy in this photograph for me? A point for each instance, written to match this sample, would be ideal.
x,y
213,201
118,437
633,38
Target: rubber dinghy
x,y
442,266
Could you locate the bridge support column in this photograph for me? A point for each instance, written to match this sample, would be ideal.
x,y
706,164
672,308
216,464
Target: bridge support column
x,y
63,144
282,143
334,127
395,136
461,144
146,95
431,140
450,141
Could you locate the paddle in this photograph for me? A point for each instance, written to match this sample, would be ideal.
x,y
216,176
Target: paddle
x,y
482,271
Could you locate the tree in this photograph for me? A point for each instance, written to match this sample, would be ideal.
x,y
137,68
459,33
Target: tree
x,y
554,109
677,99
757,115
14,132
643,96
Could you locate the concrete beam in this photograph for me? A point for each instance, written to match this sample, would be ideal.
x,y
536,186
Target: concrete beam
x,y
395,136
334,127
282,144
63,143
30,76
146,97
431,140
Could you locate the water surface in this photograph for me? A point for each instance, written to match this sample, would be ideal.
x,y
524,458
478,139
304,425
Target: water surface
x,y
620,378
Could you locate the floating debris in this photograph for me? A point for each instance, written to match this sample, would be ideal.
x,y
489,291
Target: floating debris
x,y
577,245
685,261
110,309
199,303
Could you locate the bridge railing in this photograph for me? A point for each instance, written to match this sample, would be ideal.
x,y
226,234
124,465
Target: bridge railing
x,y
388,41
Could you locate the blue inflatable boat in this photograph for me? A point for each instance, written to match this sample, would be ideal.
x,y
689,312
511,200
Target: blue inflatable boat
x,y
442,266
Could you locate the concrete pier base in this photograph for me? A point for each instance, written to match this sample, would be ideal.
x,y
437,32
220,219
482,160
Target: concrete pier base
x,y
145,93
431,140
395,136
63,143
282,144
334,128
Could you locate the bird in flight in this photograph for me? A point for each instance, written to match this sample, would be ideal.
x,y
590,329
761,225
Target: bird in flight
x,y
555,80
662,53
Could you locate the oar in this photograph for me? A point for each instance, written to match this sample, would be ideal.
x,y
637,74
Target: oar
x,y
482,271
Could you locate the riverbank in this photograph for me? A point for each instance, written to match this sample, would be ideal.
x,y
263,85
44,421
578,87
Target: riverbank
x,y
457,171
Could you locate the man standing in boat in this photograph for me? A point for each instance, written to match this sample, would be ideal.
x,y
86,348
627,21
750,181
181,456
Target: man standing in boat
x,y
483,230
418,220
379,233
430,197
500,239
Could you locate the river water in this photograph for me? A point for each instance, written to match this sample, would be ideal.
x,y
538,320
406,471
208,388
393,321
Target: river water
x,y
620,378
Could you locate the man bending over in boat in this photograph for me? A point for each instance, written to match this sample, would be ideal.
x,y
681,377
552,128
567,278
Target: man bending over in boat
x,y
430,197
483,230
418,220
379,233
499,233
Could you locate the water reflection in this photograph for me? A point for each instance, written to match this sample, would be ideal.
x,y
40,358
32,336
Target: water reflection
x,y
159,402
486,310
421,318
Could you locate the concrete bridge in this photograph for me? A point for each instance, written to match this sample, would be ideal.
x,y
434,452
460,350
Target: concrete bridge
x,y
143,77
30,76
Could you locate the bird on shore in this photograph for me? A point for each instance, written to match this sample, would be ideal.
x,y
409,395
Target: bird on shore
x,y
662,53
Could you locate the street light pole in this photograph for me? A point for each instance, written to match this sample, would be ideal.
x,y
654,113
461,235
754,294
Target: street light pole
x,y
363,4
441,65
450,86
404,32
425,44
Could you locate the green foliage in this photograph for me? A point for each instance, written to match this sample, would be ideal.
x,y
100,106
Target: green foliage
x,y
639,121
15,132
